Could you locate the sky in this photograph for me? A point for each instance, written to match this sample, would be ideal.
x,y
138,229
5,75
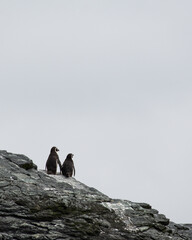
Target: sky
x,y
109,81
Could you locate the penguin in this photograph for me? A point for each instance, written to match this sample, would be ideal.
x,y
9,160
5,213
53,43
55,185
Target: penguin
x,y
53,159
68,168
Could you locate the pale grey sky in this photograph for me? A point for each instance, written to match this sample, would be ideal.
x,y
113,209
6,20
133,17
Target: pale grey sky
x,y
109,81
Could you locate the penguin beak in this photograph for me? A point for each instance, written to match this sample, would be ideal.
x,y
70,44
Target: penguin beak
x,y
57,149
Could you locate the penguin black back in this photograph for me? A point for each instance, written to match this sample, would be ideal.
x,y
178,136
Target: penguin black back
x,y
53,159
68,168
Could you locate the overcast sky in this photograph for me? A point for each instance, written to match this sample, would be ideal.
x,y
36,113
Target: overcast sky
x,y
109,81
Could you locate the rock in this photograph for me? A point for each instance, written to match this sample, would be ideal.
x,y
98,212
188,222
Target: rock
x,y
34,205
19,159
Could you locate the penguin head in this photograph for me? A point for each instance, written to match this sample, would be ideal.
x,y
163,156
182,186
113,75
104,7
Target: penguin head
x,y
54,149
70,156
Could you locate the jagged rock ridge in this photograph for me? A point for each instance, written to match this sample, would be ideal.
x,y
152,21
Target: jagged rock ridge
x,y
34,205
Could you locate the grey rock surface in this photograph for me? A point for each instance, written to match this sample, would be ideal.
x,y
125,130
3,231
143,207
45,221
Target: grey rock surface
x,y
34,205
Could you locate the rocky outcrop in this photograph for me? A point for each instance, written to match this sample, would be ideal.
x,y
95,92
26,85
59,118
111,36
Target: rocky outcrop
x,y
34,205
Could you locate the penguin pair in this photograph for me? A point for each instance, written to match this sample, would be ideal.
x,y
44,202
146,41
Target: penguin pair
x,y
67,169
